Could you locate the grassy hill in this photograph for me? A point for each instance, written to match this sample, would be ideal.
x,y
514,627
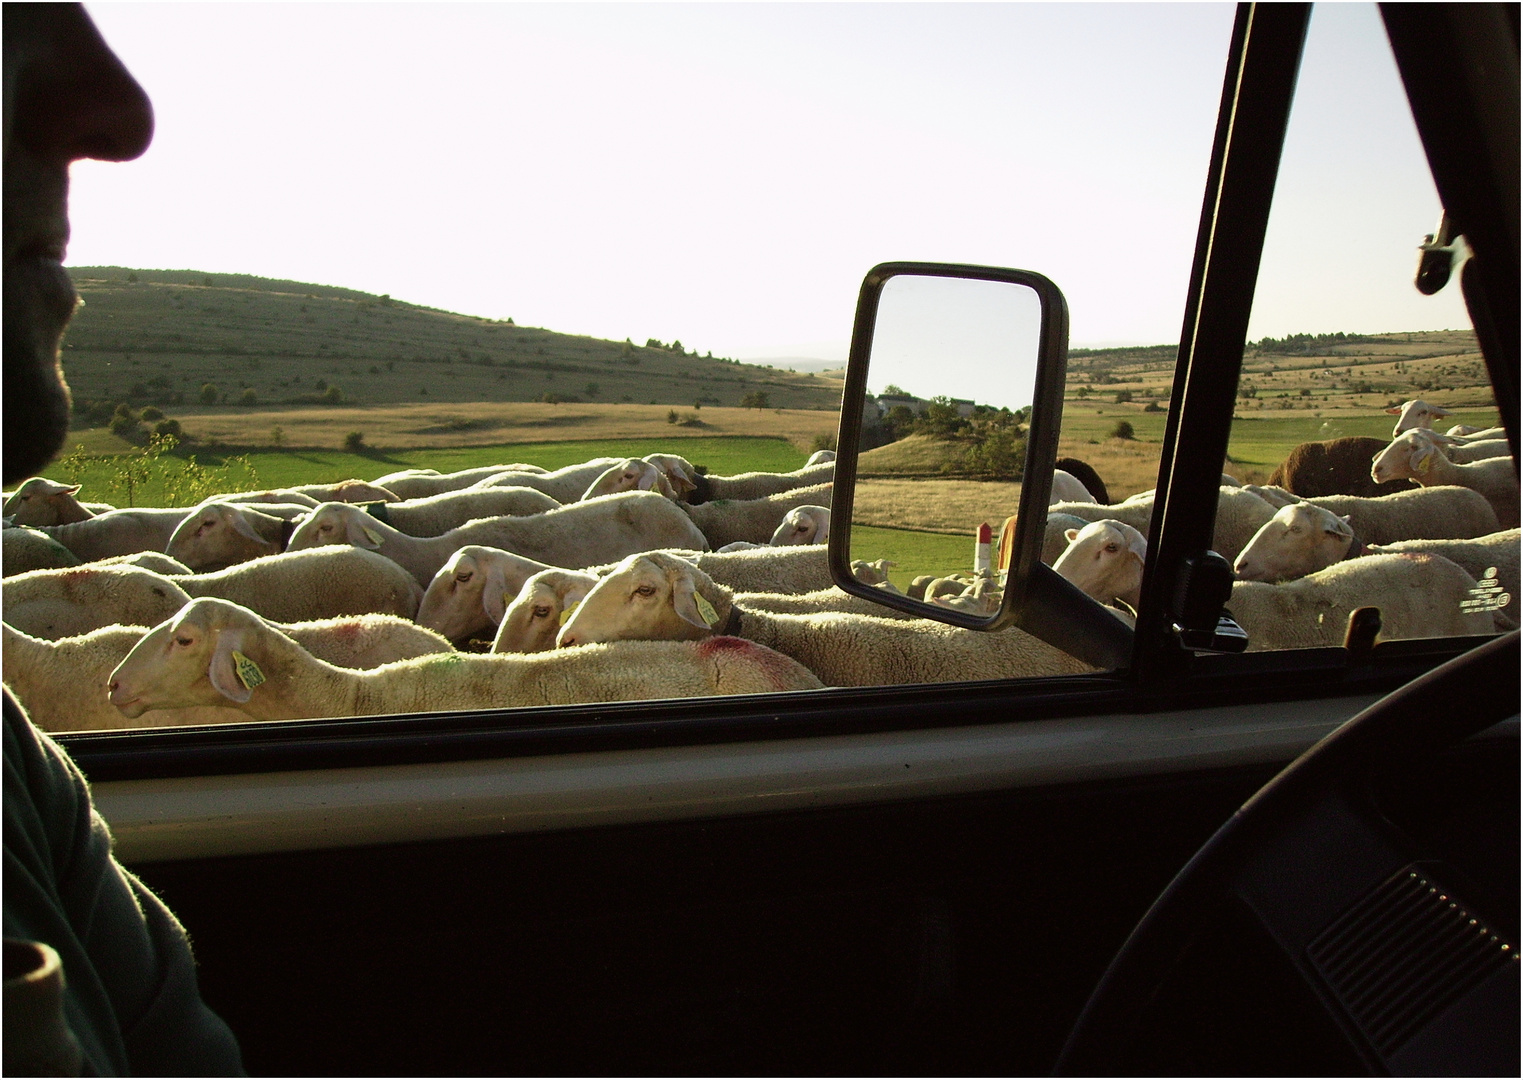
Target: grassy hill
x,y
151,337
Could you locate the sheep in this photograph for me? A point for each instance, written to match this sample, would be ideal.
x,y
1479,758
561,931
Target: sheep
x,y
1228,480
724,521
820,457
156,561
213,652
1067,488
472,590
542,605
40,501
871,573
1239,514
438,514
1414,456
654,596
1486,558
1413,414
1084,472
1105,559
1436,513
292,587
563,485
571,536
421,483
1333,467
282,496
22,550
119,532
217,534
355,491
758,485
1418,596
1464,451
1470,431
787,570
1275,496
1055,538
632,474
62,684
818,602
803,525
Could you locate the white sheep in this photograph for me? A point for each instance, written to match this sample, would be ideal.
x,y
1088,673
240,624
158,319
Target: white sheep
x,y
291,587
818,602
1239,514
40,501
803,525
213,652
1415,414
1485,558
820,457
421,483
534,618
654,596
680,473
1436,513
758,485
156,561
1105,559
874,572
632,474
1464,451
438,514
724,521
1415,457
1273,494
1300,539
472,590
217,533
62,684
573,536
119,532
22,550
786,570
563,485
1066,487
1418,595
354,491
1465,432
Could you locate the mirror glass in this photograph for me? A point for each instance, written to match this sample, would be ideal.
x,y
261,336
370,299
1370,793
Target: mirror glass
x,y
951,377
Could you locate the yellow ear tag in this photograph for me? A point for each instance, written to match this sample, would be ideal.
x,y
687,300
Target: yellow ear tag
x,y
248,671
566,612
706,609
371,535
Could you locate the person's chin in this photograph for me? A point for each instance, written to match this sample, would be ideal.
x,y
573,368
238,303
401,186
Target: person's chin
x,y
36,310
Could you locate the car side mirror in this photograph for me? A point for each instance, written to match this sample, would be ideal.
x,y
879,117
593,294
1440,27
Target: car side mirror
x,y
946,451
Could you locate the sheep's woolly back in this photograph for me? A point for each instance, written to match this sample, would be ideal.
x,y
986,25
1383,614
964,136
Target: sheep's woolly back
x,y
422,483
156,561
438,514
726,521
1498,551
52,604
563,485
366,641
119,532
22,550
759,485
1334,467
320,583
789,571
1419,596
817,602
1435,513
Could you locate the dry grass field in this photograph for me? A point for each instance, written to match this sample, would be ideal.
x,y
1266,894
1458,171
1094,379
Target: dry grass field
x,y
944,506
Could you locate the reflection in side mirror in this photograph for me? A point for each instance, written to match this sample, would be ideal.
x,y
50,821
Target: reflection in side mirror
x,y
954,394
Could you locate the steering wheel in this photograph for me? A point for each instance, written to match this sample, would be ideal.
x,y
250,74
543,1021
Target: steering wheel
x,y
1417,981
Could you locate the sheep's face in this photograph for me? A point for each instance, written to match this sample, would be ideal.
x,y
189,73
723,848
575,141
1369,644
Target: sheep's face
x,y
1105,560
191,659
647,597
1409,455
41,501
532,622
679,473
336,523
216,535
1300,539
452,604
1415,414
803,525
630,475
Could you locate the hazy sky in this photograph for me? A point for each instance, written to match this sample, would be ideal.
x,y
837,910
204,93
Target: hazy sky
x,y
726,173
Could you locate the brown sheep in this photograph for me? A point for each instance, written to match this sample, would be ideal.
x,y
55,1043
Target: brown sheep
x,y
1334,467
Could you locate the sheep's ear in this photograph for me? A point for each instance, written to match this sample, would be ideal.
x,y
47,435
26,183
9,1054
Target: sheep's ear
x,y
685,602
1394,411
647,479
494,594
1342,528
234,517
1070,535
1422,457
232,674
362,535
1438,411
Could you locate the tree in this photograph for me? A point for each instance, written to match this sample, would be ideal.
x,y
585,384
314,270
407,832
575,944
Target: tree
x,y
248,397
593,389
756,399
333,395
671,416
277,436
1123,430
354,442
1123,396
895,389
209,393
151,413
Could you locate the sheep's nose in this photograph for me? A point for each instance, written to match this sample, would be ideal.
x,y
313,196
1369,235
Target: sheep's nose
x,y
566,640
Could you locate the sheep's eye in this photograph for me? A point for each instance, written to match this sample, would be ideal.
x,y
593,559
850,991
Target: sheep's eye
x,y
1296,529
1112,548
542,612
184,641
646,590
325,528
463,576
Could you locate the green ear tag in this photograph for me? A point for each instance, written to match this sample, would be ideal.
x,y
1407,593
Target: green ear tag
x,y
706,609
248,671
371,535
566,612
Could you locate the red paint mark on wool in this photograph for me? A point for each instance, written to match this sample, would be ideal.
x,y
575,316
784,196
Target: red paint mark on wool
x,y
347,631
777,667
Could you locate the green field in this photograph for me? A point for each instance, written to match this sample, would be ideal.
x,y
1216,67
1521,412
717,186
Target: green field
x,y
101,476
915,553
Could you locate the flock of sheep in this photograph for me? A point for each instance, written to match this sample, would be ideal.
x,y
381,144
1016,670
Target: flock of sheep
x,y
625,579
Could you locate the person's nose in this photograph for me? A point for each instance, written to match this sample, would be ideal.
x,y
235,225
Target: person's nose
x,y
85,103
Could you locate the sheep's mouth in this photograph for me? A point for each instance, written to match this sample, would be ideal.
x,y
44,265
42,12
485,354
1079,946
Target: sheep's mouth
x,y
130,707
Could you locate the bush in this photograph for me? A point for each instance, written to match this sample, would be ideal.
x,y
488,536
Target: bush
x,y
1123,396
209,394
332,396
248,397
168,429
1151,406
150,414
756,399
354,442
671,416
1123,430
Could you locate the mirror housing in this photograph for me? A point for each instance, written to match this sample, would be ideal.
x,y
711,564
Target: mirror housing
x,y
1033,595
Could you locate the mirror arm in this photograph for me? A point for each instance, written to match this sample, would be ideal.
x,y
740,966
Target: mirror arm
x,y
1059,613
